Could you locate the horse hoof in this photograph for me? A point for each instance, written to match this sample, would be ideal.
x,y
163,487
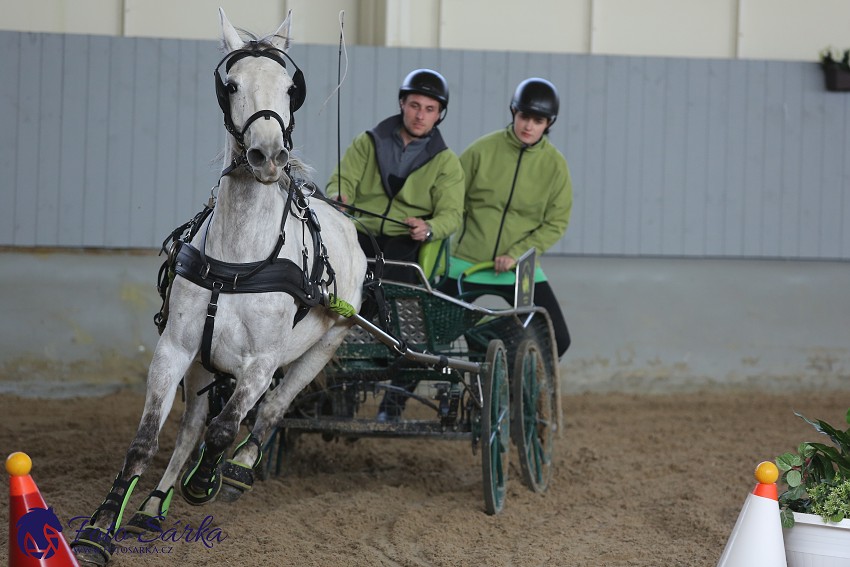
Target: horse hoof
x,y
89,557
229,494
237,479
197,491
93,547
142,523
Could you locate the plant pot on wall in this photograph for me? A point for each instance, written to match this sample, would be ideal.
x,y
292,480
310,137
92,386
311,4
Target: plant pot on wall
x,y
837,78
836,69
815,543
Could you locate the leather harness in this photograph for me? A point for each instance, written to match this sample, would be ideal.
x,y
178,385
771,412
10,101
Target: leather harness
x,y
304,283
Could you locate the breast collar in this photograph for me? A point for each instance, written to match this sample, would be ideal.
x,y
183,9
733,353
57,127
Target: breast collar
x,y
307,285
269,275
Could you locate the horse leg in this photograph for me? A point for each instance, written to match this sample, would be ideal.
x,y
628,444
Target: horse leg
x,y
202,481
151,514
93,543
239,470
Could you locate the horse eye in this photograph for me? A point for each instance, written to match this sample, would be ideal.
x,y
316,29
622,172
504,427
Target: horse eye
x,y
231,88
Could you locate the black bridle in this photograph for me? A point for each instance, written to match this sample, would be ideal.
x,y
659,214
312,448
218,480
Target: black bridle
x,y
297,94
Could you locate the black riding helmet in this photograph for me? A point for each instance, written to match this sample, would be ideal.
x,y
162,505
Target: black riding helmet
x,y
536,96
429,83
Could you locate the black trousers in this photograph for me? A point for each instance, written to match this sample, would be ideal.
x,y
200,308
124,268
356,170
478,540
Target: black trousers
x,y
401,248
543,297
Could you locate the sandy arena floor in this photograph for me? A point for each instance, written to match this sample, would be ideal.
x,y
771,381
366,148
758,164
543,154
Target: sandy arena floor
x,y
640,480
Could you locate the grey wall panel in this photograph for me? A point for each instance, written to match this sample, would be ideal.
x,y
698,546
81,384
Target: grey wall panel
x,y
716,158
832,178
159,181
26,141
144,117
652,154
571,128
200,133
95,107
114,141
48,149
674,177
10,69
632,163
695,162
120,134
779,195
72,123
754,159
733,183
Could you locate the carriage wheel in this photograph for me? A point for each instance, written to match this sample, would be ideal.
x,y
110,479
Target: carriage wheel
x,y
533,411
495,427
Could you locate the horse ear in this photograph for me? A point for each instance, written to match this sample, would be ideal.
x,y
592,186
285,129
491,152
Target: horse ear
x,y
229,35
281,37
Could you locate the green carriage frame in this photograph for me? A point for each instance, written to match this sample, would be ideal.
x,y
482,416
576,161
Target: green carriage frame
x,y
485,375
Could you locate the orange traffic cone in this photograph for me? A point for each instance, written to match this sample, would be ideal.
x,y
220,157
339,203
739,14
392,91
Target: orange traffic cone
x,y
756,538
35,533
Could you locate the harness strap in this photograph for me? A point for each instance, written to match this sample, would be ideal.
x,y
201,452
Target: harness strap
x,y
183,233
209,325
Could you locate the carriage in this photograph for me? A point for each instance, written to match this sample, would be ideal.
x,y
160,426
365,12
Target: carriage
x,y
457,370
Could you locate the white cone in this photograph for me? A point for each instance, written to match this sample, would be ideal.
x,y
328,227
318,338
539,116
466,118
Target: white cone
x,y
756,539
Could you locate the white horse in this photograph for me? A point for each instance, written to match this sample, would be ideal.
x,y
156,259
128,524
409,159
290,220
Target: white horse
x,y
258,224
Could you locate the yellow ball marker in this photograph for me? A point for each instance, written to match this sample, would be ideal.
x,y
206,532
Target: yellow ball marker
x,y
18,464
767,472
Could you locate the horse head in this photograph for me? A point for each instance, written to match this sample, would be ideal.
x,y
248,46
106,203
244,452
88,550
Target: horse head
x,y
259,97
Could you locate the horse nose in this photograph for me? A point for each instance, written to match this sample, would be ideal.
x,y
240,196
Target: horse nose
x,y
258,157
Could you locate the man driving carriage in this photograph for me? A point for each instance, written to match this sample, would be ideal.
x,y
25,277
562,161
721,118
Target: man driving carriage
x,y
405,181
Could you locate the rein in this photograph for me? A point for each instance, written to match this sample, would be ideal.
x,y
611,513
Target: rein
x,y
352,208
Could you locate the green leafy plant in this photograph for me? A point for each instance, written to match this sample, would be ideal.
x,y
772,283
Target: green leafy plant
x,y
830,57
817,476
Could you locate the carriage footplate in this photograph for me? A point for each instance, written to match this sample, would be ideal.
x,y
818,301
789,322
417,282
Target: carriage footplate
x,y
201,482
94,545
239,475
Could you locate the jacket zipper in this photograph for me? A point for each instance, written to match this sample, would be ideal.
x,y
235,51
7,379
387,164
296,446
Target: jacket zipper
x,y
508,204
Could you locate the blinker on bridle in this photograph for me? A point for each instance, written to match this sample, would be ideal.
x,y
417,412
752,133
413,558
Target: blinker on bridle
x,y
297,95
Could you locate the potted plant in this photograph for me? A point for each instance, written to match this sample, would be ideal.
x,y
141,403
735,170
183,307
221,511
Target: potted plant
x,y
836,69
815,507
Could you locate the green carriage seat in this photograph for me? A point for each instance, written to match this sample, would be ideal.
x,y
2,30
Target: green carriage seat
x,y
434,259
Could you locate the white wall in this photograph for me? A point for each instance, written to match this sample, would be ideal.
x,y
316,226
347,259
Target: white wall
x,y
737,29
559,26
688,28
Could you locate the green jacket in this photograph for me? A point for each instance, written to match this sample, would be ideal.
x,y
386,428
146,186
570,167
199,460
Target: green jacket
x,y
433,191
517,197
